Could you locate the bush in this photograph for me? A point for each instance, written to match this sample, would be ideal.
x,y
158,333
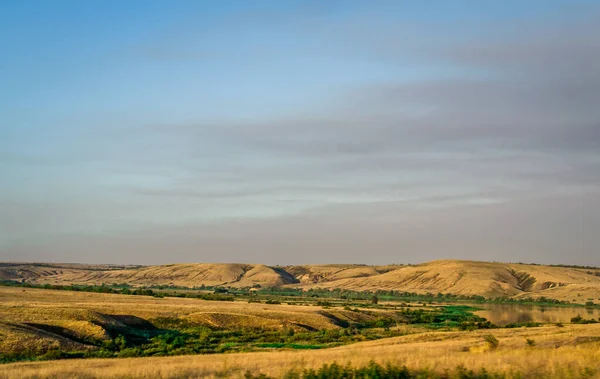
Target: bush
x,y
323,303
377,371
130,353
52,354
579,320
491,341
530,342
529,324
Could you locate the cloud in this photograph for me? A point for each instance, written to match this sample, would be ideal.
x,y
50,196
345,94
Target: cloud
x,y
476,140
547,230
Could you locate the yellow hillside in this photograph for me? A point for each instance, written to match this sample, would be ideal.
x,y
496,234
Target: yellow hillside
x,y
326,273
489,279
265,277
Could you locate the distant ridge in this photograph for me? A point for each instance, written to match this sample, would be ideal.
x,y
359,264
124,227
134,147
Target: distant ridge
x,y
489,279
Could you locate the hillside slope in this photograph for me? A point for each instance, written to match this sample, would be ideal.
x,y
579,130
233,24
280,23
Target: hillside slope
x,y
489,279
184,275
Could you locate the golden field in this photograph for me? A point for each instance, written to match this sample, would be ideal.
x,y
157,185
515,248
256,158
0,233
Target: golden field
x,y
569,352
29,318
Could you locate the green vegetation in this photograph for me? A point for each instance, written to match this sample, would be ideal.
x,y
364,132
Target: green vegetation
x,y
530,342
179,337
530,324
120,289
459,316
491,341
323,297
579,320
164,336
376,371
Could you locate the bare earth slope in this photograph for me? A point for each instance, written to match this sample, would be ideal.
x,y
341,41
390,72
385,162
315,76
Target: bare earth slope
x,y
489,279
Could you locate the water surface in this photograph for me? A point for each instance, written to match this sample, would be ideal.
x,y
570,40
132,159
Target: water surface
x,y
502,314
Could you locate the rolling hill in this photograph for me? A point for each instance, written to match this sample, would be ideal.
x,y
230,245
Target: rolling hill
x,y
489,279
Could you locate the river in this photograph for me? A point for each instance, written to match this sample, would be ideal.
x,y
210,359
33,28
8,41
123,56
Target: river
x,y
502,314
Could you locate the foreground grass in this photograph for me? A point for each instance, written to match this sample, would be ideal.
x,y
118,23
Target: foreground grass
x,y
572,351
390,371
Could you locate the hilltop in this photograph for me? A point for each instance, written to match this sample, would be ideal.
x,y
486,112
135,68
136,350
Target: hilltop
x,y
489,279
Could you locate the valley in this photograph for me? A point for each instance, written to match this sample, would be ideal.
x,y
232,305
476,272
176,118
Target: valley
x,y
467,278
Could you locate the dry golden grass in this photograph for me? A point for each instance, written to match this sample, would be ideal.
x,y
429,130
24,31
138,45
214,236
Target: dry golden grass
x,y
559,353
16,337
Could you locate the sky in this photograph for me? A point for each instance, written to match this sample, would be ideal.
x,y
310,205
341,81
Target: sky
x,y
295,132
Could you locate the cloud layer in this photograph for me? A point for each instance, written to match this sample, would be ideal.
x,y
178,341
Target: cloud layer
x,y
371,140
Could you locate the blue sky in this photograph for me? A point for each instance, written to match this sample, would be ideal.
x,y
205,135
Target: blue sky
x,y
299,132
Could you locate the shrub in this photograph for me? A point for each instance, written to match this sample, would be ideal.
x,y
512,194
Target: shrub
x,y
324,303
129,353
530,342
529,324
52,354
491,341
376,371
579,320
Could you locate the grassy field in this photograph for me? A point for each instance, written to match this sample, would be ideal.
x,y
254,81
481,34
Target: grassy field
x,y
172,337
572,351
34,322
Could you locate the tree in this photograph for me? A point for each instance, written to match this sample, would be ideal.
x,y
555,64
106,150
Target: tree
x,y
374,299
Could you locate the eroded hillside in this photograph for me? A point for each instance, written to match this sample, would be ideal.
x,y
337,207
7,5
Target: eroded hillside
x,y
489,279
